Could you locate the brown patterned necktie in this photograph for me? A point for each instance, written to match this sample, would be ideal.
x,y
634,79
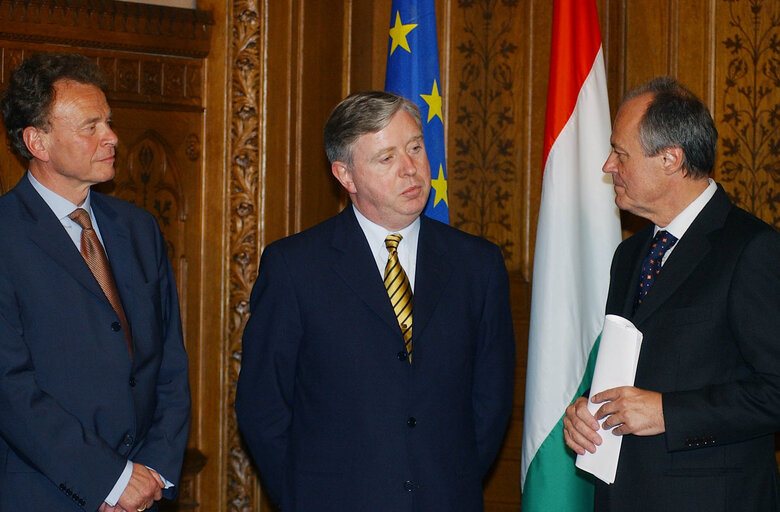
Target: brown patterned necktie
x,y
93,253
399,290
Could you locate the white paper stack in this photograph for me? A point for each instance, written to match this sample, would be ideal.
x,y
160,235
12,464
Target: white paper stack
x,y
615,366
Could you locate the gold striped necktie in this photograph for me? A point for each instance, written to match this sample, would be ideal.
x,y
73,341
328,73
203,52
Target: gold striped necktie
x,y
399,290
93,253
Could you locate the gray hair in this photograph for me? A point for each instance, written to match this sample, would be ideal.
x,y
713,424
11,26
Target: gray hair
x,y
675,117
361,113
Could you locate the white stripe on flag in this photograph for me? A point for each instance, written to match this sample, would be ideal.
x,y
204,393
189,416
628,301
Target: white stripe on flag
x,y
578,230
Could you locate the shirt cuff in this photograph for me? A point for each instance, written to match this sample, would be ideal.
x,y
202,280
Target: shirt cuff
x,y
120,485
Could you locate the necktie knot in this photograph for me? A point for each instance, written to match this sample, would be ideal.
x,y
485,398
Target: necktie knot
x,y
662,242
392,241
81,217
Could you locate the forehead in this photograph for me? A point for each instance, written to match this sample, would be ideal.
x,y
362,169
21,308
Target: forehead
x,y
630,114
74,99
401,129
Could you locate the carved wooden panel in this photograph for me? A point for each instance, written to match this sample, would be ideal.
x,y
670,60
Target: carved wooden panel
x,y
242,494
747,104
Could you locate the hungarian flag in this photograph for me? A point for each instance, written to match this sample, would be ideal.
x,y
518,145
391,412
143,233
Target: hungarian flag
x,y
413,72
577,233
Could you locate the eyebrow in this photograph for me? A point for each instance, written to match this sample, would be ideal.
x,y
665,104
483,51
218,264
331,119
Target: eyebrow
x,y
615,145
97,119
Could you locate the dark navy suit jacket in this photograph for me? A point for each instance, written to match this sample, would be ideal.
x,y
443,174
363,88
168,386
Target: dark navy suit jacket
x,y
73,406
334,415
711,326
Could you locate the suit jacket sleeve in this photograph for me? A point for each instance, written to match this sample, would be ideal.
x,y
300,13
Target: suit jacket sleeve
x,y
51,437
746,407
163,446
494,365
264,394
44,434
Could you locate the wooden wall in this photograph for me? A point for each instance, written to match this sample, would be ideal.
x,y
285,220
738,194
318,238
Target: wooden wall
x,y
220,114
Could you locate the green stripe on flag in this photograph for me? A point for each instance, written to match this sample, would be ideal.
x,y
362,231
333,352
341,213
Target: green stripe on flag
x,y
553,467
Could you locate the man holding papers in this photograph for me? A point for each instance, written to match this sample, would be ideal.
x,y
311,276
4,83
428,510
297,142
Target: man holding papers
x,y
702,285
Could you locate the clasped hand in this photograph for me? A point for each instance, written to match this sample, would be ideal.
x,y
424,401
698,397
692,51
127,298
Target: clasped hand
x,y
628,409
144,488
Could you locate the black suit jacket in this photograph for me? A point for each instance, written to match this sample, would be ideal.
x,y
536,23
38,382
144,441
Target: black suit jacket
x,y
334,415
73,406
711,346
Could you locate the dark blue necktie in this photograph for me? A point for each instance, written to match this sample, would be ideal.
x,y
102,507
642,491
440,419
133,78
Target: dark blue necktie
x,y
651,266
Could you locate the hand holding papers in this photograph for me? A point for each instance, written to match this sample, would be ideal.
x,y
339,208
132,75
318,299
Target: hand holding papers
x,y
615,366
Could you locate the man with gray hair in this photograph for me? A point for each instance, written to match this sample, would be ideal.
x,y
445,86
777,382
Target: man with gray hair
x,y
377,365
701,283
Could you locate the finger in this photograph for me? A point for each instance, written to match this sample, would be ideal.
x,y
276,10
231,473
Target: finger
x,y
608,395
584,415
579,450
581,434
157,478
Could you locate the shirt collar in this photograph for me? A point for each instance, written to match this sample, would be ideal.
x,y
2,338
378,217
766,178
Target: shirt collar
x,y
685,218
376,234
59,205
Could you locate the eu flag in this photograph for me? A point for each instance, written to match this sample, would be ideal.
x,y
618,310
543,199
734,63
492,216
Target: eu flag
x,y
413,72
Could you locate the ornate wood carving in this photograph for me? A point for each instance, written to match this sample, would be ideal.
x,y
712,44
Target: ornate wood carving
x,y
108,24
165,82
485,163
750,117
148,177
242,489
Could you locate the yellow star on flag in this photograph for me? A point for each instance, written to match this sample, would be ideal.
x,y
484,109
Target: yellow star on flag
x,y
399,32
434,103
440,186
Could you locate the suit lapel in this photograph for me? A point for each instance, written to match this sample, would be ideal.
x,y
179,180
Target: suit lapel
x,y
687,255
119,249
627,277
46,231
354,263
433,272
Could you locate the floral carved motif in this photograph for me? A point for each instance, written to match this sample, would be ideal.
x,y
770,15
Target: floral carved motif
x,y
148,177
484,163
750,140
242,490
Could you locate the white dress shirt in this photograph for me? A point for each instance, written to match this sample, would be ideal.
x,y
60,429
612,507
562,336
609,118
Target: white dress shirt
x,y
680,224
407,248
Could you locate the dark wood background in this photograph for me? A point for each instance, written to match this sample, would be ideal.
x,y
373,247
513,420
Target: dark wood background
x,y
220,114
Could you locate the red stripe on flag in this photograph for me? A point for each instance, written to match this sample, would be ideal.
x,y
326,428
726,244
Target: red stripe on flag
x,y
576,39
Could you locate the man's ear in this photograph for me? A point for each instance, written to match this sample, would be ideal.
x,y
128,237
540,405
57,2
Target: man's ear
x,y
343,173
673,160
36,141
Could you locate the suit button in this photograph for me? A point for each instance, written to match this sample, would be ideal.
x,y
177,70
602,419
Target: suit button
x,y
115,326
68,492
82,502
401,355
132,382
409,486
412,422
76,497
128,440
62,487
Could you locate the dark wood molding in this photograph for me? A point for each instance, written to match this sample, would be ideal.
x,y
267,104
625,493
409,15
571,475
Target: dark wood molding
x,y
108,24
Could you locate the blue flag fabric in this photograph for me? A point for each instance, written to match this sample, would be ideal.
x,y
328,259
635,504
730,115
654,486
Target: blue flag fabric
x,y
413,72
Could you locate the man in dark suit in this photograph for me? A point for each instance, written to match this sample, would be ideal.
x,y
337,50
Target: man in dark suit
x,y
702,285
94,397
351,400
